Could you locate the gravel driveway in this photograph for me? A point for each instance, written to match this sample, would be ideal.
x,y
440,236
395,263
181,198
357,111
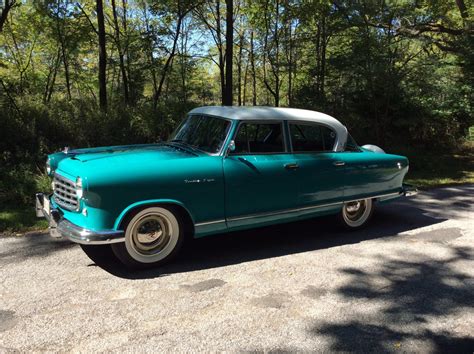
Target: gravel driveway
x,y
405,283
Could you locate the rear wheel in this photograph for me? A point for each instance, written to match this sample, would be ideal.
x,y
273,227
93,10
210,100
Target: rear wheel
x,y
153,236
356,214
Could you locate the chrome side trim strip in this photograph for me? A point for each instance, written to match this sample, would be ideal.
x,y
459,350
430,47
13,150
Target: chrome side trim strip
x,y
288,211
376,196
259,215
209,222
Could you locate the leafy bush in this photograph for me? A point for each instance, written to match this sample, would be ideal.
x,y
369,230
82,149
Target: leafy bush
x,y
37,129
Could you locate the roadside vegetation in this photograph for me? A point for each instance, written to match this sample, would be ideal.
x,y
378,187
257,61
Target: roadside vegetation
x,y
430,169
94,73
14,221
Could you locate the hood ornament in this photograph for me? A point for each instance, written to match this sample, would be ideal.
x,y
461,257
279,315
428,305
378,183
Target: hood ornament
x,y
66,150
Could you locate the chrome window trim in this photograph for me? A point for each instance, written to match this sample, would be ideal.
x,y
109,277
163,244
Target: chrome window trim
x,y
247,113
226,139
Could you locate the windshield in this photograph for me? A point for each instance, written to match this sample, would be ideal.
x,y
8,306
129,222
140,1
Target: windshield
x,y
202,132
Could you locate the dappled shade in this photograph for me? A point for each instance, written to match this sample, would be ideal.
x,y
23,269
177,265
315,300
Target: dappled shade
x,y
415,290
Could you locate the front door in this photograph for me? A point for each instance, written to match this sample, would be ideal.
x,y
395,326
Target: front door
x,y
259,174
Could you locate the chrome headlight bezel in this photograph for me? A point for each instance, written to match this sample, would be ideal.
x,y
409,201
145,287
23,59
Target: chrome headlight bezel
x,y
49,170
79,188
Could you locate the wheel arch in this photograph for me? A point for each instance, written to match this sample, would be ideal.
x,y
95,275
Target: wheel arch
x,y
183,211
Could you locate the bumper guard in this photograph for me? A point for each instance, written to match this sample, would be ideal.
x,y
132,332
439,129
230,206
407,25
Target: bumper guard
x,y
409,190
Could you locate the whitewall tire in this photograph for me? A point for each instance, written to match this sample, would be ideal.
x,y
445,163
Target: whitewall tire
x,y
153,236
356,214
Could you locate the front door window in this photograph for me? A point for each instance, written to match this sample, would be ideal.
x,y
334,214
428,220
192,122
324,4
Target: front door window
x,y
259,138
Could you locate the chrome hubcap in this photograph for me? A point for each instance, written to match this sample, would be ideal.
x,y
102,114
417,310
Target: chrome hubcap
x,y
354,210
151,234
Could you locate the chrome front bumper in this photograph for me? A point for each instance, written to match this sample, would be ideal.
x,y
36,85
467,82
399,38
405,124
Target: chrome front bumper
x,y
59,226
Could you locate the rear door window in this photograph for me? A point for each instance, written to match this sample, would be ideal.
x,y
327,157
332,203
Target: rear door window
x,y
312,138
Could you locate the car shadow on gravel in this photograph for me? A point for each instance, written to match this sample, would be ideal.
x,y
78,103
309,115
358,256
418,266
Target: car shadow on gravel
x,y
417,292
275,241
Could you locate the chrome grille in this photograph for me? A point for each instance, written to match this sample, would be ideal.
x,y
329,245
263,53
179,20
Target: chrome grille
x,y
64,191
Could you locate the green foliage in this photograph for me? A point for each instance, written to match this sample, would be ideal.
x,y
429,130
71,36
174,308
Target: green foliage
x,y
437,167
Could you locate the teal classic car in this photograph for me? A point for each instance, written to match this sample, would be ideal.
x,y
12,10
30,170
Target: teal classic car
x,y
223,169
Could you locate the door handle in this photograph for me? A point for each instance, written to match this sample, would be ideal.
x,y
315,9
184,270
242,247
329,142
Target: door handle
x,y
339,163
291,166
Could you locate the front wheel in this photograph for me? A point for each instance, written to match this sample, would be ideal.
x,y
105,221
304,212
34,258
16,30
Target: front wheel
x,y
153,236
356,214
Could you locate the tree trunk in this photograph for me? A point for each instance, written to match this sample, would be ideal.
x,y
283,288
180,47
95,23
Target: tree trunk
x,y
244,99
184,62
290,65
220,48
317,75
462,9
64,54
102,56
51,78
254,76
267,53
120,53
9,4
323,57
229,39
150,51
276,66
168,60
239,70
66,67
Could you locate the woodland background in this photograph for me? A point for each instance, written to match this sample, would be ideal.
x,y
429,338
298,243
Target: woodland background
x,y
100,72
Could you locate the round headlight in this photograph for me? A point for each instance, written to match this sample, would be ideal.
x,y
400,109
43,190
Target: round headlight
x,y
79,190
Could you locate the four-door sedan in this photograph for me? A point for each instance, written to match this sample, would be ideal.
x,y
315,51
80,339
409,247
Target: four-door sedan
x,y
224,169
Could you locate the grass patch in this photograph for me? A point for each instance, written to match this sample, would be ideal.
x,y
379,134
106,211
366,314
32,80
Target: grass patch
x,y
21,220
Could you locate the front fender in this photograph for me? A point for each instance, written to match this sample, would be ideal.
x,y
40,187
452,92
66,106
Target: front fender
x,y
142,203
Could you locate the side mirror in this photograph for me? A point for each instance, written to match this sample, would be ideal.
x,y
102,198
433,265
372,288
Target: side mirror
x,y
231,147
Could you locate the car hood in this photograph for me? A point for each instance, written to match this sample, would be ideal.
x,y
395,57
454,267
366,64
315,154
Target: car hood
x,y
117,160
126,152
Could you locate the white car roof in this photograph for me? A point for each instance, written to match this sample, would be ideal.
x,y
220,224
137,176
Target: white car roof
x,y
290,114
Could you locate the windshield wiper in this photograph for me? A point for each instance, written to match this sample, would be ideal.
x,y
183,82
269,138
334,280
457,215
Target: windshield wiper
x,y
182,142
183,147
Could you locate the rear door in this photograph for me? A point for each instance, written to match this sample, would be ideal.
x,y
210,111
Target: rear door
x,y
259,179
320,170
